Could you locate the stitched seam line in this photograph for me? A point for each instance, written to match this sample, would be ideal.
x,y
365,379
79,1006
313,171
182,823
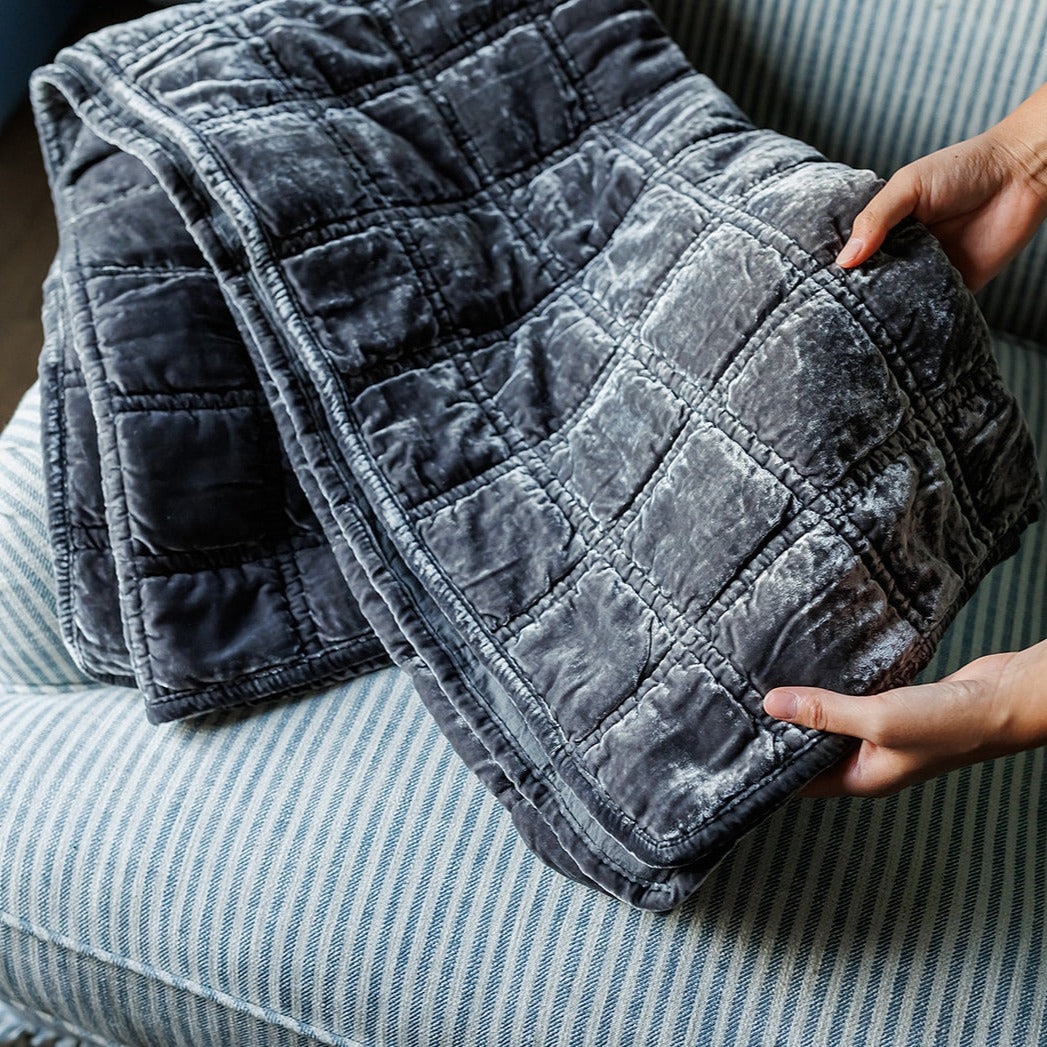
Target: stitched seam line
x,y
64,549
190,401
126,194
92,270
132,613
244,684
373,90
293,543
236,1004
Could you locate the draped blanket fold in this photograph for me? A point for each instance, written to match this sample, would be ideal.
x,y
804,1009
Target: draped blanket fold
x,y
490,338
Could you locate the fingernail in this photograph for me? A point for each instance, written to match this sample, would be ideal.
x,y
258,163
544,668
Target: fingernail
x,y
782,704
850,251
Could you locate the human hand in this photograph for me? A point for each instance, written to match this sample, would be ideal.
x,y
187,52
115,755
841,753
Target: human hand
x,y
983,198
994,706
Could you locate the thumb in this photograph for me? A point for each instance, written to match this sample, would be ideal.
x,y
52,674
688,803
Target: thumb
x,y
897,199
821,709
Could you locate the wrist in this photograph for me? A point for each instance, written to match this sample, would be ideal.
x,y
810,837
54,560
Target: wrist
x,y
1022,135
1023,690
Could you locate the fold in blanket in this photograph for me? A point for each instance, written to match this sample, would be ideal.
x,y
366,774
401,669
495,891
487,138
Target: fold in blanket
x,y
490,338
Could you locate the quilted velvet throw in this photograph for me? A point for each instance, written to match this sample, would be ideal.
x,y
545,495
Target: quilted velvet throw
x,y
490,339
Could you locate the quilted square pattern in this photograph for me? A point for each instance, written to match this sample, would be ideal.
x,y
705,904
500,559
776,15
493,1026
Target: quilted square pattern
x,y
512,100
611,446
693,546
443,439
506,560
551,370
583,693
363,300
704,341
491,338
816,354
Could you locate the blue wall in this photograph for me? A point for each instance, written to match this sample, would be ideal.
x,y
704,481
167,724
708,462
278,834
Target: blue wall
x,y
30,33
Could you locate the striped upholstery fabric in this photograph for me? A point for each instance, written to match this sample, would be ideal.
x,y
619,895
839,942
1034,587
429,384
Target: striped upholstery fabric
x,y
327,871
878,84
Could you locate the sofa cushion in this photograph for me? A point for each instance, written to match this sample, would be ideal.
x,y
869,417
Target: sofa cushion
x,y
329,871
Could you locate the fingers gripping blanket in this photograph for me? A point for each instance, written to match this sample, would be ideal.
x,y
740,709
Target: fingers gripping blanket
x,y
488,337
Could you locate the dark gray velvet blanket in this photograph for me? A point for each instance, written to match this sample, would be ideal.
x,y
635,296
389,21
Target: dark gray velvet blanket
x,y
488,337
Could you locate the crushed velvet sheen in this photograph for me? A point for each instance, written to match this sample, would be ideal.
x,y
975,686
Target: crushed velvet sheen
x,y
490,338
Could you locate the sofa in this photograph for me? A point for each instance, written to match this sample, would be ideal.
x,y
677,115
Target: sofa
x,y
326,870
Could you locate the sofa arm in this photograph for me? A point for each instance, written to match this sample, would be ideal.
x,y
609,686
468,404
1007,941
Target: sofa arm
x,y
32,653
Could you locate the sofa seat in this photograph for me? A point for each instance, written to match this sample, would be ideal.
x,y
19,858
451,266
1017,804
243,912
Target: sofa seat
x,y
326,870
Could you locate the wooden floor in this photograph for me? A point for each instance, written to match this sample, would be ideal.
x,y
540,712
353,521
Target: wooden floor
x,y
27,235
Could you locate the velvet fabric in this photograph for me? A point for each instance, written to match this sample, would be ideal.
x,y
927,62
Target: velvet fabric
x,y
489,337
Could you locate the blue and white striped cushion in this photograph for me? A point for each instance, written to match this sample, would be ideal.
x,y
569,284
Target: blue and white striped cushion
x,y
877,84
327,871
31,649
